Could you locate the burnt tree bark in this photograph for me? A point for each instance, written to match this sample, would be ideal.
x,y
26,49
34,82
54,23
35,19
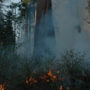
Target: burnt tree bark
x,y
44,38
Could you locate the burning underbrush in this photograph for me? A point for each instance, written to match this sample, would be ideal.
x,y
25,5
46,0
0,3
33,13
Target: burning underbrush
x,y
1,86
70,72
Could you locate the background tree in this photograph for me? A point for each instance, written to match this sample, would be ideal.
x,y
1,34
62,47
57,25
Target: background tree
x,y
7,35
26,4
10,21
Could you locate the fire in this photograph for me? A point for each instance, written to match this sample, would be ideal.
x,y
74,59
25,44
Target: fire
x,y
49,77
2,87
44,77
50,73
53,77
31,81
48,81
61,87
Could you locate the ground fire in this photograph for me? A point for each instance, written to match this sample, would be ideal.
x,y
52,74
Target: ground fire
x,y
2,87
54,79
48,78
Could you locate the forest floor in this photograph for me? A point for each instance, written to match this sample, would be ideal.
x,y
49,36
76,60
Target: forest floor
x,y
70,72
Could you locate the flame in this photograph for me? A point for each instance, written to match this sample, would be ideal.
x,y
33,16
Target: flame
x,y
53,77
31,81
27,82
2,87
50,73
48,81
61,87
44,77
49,77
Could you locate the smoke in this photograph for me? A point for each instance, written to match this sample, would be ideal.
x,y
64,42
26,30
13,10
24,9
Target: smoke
x,y
67,29
45,44
15,70
65,21
40,39
70,26
69,34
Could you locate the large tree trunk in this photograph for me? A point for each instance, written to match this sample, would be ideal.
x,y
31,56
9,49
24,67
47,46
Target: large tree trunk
x,y
42,7
44,40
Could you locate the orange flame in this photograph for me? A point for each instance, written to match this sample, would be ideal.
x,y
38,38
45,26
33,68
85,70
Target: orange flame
x,y
31,80
47,78
1,87
61,87
53,77
44,77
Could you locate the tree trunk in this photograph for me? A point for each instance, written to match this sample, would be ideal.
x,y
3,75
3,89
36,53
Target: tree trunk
x,y
26,21
44,38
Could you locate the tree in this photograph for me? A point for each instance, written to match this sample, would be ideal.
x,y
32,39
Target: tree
x,y
9,27
44,38
7,35
44,29
25,4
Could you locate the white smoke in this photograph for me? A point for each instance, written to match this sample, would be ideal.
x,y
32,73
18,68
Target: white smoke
x,y
68,20
71,28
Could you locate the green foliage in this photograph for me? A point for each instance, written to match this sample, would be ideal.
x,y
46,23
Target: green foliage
x,y
7,35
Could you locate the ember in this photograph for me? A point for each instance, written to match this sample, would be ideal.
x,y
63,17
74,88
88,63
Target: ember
x,y
52,76
50,79
31,81
47,78
44,77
